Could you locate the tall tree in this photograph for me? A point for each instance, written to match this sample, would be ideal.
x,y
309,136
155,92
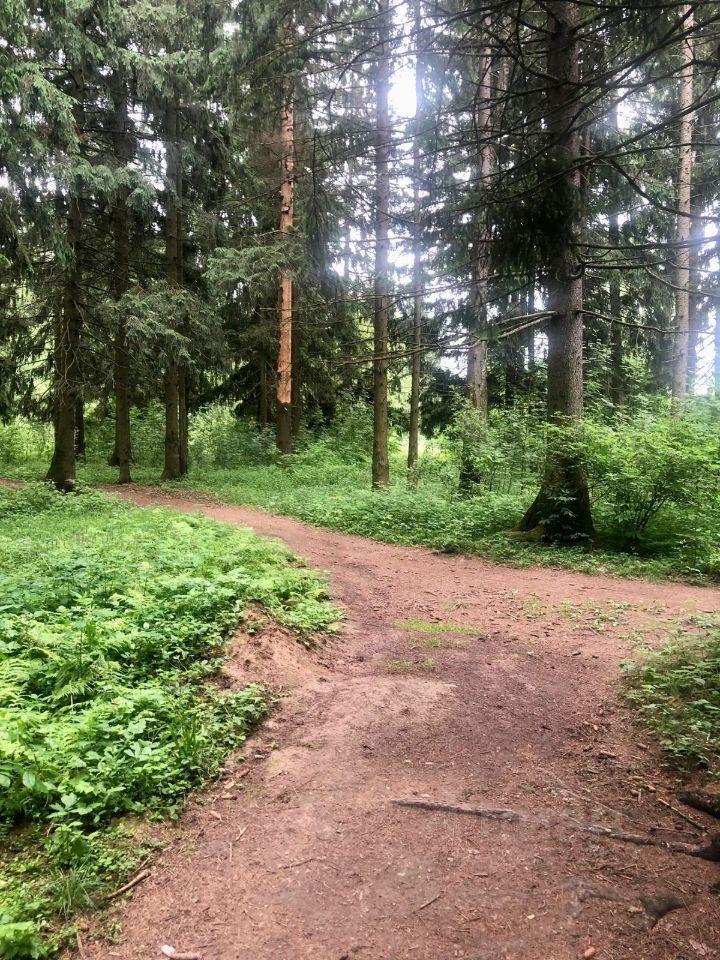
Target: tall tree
x,y
173,266
121,279
69,325
684,212
477,369
285,301
381,323
418,274
562,506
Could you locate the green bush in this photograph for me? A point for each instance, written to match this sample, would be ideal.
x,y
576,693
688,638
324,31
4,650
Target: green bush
x,y
218,437
640,468
22,441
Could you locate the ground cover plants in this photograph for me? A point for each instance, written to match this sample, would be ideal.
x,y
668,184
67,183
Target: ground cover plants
x,y
112,622
654,480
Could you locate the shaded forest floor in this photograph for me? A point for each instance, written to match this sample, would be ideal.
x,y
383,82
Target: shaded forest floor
x,y
452,680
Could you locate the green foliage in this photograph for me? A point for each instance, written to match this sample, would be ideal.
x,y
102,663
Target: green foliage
x,y
219,438
22,441
641,467
677,693
112,622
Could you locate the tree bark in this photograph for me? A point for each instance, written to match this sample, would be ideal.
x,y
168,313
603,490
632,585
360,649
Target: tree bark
x,y
183,425
530,334
121,281
285,301
297,401
418,273
716,357
80,426
617,352
684,220
477,385
263,405
380,460
68,329
173,253
562,506
171,470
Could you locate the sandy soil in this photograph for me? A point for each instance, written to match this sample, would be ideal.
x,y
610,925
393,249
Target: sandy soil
x,y
299,851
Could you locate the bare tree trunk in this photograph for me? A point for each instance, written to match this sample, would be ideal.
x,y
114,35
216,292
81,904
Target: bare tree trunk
x,y
617,353
530,334
80,426
173,253
68,331
380,461
684,220
716,357
263,413
285,301
418,273
183,426
478,352
121,281
562,506
297,402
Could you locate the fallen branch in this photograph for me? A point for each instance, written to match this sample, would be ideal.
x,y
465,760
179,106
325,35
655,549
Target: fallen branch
x,y
428,903
699,800
487,813
143,875
709,850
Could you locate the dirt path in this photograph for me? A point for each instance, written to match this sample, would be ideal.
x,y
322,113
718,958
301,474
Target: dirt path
x,y
305,857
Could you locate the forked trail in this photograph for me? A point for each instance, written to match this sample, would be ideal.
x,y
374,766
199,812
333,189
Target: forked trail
x,y
512,701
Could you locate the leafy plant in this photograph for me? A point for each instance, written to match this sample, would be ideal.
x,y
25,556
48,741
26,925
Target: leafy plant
x,y
677,692
112,622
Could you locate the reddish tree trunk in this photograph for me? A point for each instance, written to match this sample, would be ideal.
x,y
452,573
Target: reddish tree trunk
x,y
285,300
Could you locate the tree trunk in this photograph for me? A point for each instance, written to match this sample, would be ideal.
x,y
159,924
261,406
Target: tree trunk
x,y
530,333
263,412
173,254
716,357
617,353
380,461
183,426
80,426
297,403
684,220
121,281
68,330
418,273
171,470
477,386
285,302
562,506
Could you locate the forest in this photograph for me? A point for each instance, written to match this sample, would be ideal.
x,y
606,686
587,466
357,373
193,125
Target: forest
x,y
359,378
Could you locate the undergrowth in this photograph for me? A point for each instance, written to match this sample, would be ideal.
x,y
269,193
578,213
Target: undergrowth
x,y
112,622
676,690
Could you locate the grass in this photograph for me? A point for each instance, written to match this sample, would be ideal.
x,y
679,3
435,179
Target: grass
x,y
112,622
407,666
435,627
676,691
